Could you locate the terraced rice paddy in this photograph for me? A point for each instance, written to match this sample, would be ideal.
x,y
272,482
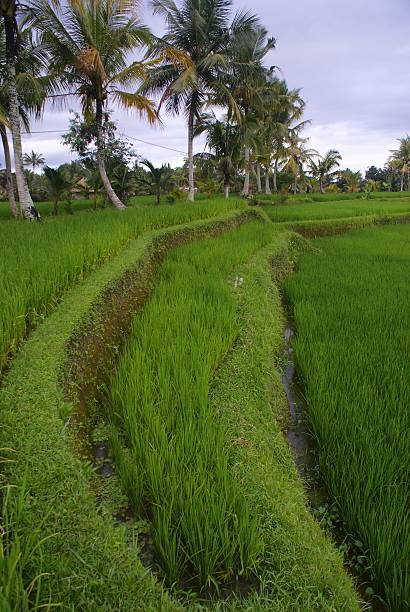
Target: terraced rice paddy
x,y
304,211
177,466
351,309
39,261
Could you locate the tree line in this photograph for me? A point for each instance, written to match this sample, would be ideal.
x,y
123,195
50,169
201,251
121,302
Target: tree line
x,y
209,58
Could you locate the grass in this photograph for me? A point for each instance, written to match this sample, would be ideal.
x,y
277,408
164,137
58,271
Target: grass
x,y
303,211
350,304
39,261
176,466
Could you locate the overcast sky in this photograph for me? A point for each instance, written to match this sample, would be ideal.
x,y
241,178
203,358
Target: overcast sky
x,y
351,60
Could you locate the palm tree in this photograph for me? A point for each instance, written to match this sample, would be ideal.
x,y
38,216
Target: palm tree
x,y
324,169
248,82
58,185
33,159
223,138
159,180
200,30
401,157
21,93
89,43
297,156
352,180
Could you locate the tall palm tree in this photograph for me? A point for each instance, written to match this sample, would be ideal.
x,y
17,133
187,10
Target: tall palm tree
x,y
33,159
21,92
248,81
401,157
223,139
89,43
325,168
203,32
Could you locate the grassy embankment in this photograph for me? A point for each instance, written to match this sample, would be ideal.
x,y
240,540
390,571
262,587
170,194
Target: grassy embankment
x,y
39,261
350,304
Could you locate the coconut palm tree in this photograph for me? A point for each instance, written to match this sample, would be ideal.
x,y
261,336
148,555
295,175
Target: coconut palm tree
x,y
223,139
401,157
58,185
352,180
159,180
33,159
89,43
325,168
202,31
248,82
297,156
21,92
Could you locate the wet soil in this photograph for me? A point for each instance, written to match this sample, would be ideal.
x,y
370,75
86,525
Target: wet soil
x,y
297,435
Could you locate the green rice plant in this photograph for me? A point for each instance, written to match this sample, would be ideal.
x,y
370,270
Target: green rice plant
x,y
350,303
177,465
39,261
304,211
17,550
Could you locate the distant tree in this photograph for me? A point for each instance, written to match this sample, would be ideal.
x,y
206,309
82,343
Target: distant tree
x,y
324,169
158,180
376,174
58,186
351,181
224,139
401,158
33,159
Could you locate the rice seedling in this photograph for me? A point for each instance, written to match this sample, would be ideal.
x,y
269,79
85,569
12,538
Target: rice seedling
x,y
176,468
350,304
38,262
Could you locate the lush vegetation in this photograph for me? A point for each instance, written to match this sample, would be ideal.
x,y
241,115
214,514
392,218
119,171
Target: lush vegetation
x,y
304,211
177,467
349,302
53,255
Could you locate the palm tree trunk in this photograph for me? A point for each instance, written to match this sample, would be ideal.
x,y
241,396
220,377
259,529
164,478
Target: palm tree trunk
x,y
258,178
408,180
402,182
226,189
191,180
275,176
295,185
267,185
26,203
321,187
245,189
101,161
9,176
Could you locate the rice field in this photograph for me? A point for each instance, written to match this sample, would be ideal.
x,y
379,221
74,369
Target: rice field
x,y
39,261
351,308
337,209
172,455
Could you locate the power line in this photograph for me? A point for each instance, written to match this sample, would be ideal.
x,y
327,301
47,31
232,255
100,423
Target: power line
x,y
152,144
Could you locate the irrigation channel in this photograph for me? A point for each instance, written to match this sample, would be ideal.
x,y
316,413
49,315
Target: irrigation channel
x,y
297,434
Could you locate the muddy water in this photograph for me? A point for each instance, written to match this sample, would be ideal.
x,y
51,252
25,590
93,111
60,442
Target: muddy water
x,y
297,434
